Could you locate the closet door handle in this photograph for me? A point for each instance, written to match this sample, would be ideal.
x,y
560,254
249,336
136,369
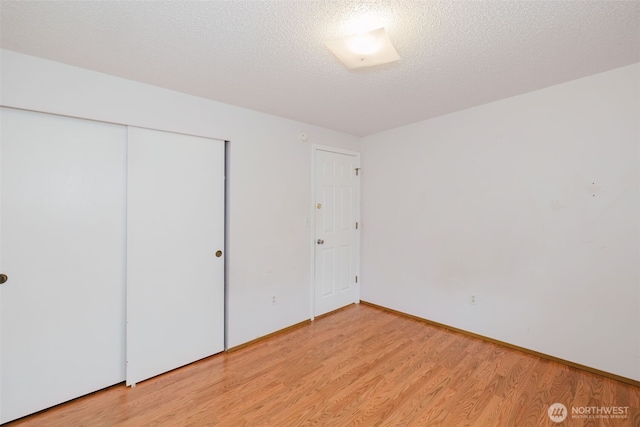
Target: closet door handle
x,y
320,242
3,278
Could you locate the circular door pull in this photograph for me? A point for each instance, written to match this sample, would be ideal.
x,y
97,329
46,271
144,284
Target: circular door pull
x,y
218,254
3,278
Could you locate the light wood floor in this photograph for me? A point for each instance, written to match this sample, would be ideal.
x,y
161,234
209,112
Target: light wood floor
x,y
357,367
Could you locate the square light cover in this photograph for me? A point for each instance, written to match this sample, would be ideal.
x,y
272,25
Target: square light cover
x,y
364,50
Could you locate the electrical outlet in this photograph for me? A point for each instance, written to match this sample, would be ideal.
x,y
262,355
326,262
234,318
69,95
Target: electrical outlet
x,y
472,299
273,300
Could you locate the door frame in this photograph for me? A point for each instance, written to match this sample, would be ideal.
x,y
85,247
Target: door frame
x,y
314,149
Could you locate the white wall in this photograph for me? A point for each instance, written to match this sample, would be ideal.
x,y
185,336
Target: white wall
x,y
530,203
269,173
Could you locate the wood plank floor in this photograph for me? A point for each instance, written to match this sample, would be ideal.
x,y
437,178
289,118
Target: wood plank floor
x,y
360,366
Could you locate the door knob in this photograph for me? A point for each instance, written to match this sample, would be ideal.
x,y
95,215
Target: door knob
x,y
320,242
218,254
3,278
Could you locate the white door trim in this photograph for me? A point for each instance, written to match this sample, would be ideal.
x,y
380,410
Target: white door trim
x,y
314,149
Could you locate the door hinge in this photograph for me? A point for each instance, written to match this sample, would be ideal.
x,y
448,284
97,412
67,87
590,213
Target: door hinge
x,y
356,279
356,225
357,171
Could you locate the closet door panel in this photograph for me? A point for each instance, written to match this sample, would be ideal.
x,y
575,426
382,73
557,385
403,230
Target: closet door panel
x,y
62,246
175,280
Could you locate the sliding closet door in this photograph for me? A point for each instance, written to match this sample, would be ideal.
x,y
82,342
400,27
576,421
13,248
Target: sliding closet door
x,y
62,248
175,264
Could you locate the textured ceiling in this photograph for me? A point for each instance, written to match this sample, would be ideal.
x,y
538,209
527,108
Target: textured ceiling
x,y
269,55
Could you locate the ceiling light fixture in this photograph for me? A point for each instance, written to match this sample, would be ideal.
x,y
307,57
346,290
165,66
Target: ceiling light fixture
x,y
365,49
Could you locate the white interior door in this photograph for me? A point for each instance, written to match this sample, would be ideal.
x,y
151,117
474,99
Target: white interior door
x,y
175,280
336,234
62,246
